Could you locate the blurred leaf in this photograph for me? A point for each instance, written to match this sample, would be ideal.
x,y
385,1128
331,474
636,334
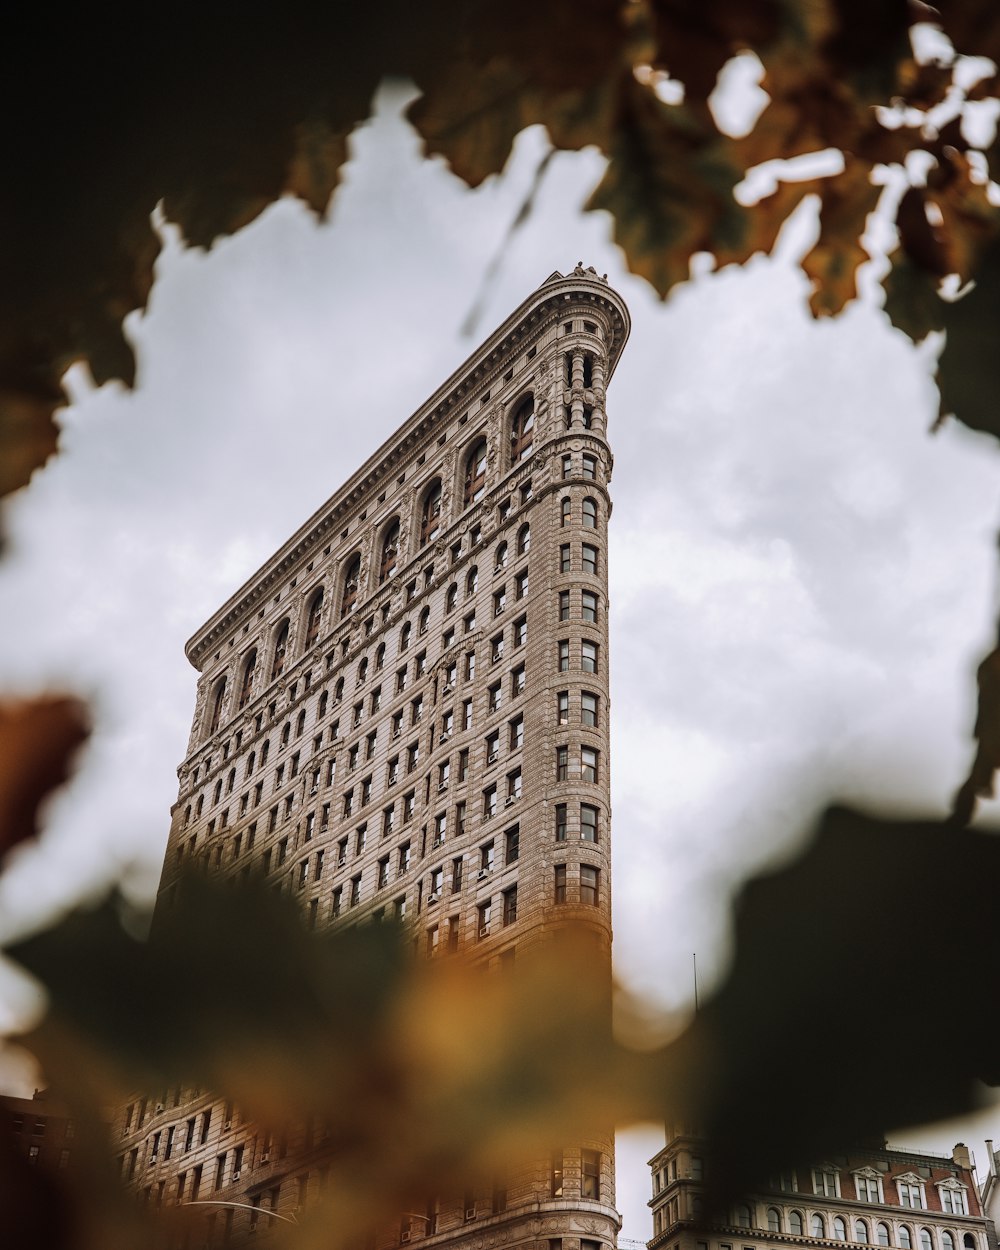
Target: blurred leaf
x,y
911,299
834,955
37,744
668,187
846,199
969,367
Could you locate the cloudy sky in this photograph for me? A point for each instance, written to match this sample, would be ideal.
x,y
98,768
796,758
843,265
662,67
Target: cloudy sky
x,y
802,577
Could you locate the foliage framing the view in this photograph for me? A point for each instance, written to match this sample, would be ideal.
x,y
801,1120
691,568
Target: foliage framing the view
x,y
217,120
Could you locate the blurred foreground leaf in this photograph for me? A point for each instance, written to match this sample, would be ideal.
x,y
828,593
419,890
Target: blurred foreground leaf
x,y
37,744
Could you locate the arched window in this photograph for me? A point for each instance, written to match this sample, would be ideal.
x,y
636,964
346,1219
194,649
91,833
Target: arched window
x,y
286,733
523,540
742,1216
969,1241
280,647
947,1241
430,515
501,560
839,1228
451,598
773,1220
324,699
352,578
187,815
265,746
379,657
818,1226
246,685
590,513
905,1240
795,1223
251,761
471,581
220,695
861,1232
565,507
338,690
475,473
300,724
218,791
404,636
362,672
423,620
312,623
522,430
882,1236
390,553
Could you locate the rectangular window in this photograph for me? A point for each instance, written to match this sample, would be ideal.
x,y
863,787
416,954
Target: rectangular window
x,y
495,697
463,764
493,747
401,679
396,726
409,802
388,820
589,559
562,707
590,1174
470,666
403,859
436,883
440,828
588,823
517,681
360,837
562,763
564,655
590,881
370,742
516,733
352,757
366,791
564,605
375,701
460,819
412,756
588,709
521,585
484,911
565,564
512,845
392,771
510,905
356,890
588,656
416,709
560,822
489,802
590,468
456,874
496,649
383,873
444,775
556,1174
341,852
567,466
467,714
520,631
559,895
499,600
588,764
513,786
588,602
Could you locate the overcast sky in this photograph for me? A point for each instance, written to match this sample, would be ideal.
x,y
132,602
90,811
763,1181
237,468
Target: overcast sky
x,y
802,577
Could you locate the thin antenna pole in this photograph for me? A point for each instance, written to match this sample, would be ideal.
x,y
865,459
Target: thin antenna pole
x,y
694,964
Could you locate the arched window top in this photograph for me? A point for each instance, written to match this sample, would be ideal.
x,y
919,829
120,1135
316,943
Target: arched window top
x,y
217,701
471,581
389,560
522,430
246,685
352,581
424,620
338,690
773,1220
969,1241
905,1238
947,1240
313,619
524,539
475,473
839,1228
362,670
795,1223
926,1240
501,557
590,513
280,650
430,513
404,635
818,1226
861,1231
565,508
882,1235
300,724
321,707
742,1216
379,656
451,597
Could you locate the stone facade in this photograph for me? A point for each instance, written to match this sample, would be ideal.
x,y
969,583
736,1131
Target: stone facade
x,y
868,1198
404,713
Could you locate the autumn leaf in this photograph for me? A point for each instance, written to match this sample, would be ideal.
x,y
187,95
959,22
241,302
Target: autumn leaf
x,y
846,199
37,743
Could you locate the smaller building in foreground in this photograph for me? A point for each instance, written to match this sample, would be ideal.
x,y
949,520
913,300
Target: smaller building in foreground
x,y
868,1198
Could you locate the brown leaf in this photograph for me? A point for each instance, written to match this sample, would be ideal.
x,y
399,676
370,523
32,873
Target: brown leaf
x,y
846,200
37,743
669,187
